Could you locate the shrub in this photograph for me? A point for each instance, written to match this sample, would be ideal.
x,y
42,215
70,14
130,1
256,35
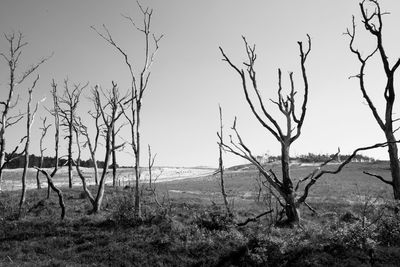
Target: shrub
x,y
124,211
214,220
360,234
388,231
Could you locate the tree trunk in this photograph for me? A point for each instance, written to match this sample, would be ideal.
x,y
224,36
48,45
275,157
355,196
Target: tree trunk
x,y
394,163
138,212
38,172
292,214
291,211
285,161
114,159
2,155
70,154
26,164
100,193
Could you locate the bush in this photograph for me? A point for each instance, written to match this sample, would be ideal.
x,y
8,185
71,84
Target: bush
x,y
360,234
124,211
388,231
214,220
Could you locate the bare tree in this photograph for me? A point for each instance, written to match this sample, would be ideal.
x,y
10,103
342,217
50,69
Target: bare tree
x,y
45,127
30,116
83,130
152,180
50,176
220,135
138,86
114,145
67,106
16,44
113,102
294,123
287,195
373,24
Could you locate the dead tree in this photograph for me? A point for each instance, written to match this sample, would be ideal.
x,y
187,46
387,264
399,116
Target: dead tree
x,y
83,130
110,113
138,85
50,176
30,116
45,127
373,23
67,106
294,123
16,44
116,147
220,135
287,195
152,180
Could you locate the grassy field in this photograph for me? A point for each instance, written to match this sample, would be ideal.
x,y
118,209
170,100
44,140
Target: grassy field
x,y
125,177
354,225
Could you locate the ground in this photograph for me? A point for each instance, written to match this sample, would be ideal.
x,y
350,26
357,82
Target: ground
x,y
356,224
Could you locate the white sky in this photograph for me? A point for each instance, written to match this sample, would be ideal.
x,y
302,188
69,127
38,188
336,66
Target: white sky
x,y
180,110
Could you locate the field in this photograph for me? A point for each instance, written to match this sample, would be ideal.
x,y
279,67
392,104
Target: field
x,y
354,225
11,180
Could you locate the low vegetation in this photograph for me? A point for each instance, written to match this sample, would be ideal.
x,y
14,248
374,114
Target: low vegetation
x,y
354,226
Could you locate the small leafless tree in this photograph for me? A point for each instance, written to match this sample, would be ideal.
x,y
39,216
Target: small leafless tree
x,y
373,23
152,180
16,44
287,194
30,116
50,176
115,147
220,135
139,82
110,113
67,106
45,127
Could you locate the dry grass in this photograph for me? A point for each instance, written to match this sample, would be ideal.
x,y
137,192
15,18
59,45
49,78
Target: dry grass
x,y
192,230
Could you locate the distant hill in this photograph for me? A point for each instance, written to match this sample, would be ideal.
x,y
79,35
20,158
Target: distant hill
x,y
302,159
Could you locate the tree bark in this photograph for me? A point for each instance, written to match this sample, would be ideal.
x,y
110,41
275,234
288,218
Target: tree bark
x,y
138,212
114,159
394,164
70,153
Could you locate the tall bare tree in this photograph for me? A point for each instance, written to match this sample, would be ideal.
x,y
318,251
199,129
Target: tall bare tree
x,y
287,194
16,44
138,85
49,176
110,112
373,23
67,106
221,170
294,123
30,116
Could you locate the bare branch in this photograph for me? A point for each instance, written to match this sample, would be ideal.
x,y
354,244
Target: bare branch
x,y
338,169
378,177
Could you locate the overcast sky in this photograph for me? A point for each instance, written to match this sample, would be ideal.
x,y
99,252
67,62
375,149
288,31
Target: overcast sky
x,y
189,80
